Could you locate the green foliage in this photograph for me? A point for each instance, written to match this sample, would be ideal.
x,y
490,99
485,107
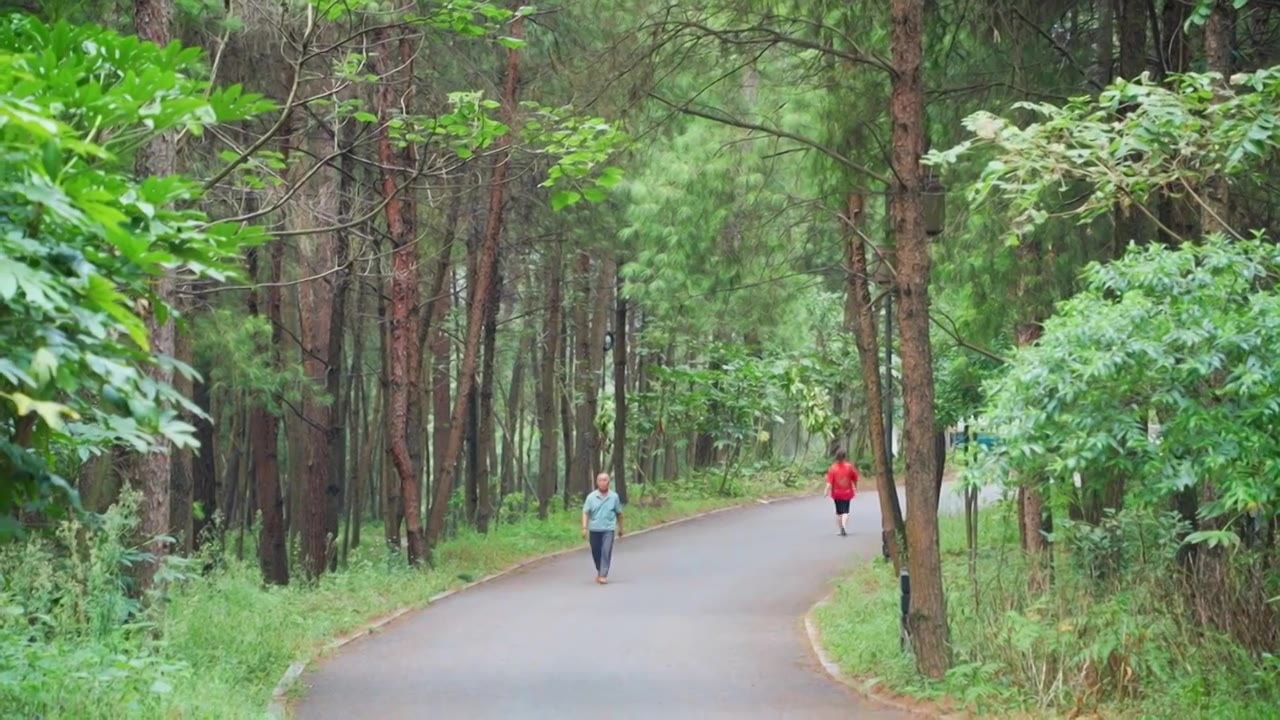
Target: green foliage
x,y
1204,8
233,345
579,146
717,243
1185,340
737,396
1120,649
72,642
1172,135
81,242
576,145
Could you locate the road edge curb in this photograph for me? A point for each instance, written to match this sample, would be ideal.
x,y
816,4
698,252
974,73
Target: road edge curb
x,y
852,683
279,705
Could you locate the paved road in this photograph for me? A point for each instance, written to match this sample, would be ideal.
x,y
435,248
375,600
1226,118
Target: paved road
x,y
701,620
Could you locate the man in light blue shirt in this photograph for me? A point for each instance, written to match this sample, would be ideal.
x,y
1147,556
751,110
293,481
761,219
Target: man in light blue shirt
x,y
601,522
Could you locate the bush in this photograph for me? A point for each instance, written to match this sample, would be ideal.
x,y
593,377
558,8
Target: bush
x,y
1122,643
72,640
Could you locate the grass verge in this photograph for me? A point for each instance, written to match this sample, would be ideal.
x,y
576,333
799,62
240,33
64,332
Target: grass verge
x,y
1124,649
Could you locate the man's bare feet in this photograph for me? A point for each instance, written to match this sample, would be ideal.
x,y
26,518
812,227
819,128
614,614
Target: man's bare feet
x,y
601,580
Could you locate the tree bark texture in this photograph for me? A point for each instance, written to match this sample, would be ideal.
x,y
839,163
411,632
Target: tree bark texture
x,y
182,462
319,307
511,426
928,620
548,387
581,473
264,439
620,389
401,213
150,472
892,525
204,476
486,263
484,486
1219,45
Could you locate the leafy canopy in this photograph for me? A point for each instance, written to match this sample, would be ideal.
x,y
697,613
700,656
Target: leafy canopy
x,y
1186,341
82,240
1169,138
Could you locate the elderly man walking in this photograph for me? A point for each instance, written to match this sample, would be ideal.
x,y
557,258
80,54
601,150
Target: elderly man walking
x,y
601,522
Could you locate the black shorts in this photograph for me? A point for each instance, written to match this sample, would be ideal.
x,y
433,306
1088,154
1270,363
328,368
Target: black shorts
x,y
842,507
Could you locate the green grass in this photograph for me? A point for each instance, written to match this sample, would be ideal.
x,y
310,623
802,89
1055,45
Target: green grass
x,y
1076,651
222,641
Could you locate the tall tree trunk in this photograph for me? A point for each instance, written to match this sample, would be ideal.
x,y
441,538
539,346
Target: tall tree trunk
x,y
548,390
1104,42
484,496
581,471
392,505
471,436
486,263
475,462
599,321
264,429
181,492
401,213
150,472
564,372
620,389
354,429
364,473
1219,45
338,388
436,340
892,525
204,475
318,308
928,620
1031,505
1131,16
238,434
515,398
441,379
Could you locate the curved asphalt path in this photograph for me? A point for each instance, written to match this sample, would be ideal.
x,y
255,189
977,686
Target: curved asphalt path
x,y
701,620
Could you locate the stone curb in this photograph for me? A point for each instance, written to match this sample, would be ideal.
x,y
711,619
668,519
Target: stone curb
x,y
832,669
861,688
279,707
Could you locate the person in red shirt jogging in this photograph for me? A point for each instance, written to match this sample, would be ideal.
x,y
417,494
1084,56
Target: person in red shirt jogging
x,y
842,484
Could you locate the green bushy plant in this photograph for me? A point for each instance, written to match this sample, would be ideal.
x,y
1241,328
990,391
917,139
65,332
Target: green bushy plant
x,y
72,639
82,242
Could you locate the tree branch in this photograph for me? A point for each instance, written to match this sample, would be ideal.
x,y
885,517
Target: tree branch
x,y
725,120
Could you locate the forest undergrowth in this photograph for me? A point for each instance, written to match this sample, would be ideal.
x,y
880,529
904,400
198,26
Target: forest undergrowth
x,y
1106,637
73,643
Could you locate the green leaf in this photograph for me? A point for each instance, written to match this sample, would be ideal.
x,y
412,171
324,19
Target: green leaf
x,y
1213,538
595,195
610,177
560,199
44,366
9,272
511,43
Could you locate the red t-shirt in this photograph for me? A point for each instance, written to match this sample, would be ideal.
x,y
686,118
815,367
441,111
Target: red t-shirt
x,y
843,479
